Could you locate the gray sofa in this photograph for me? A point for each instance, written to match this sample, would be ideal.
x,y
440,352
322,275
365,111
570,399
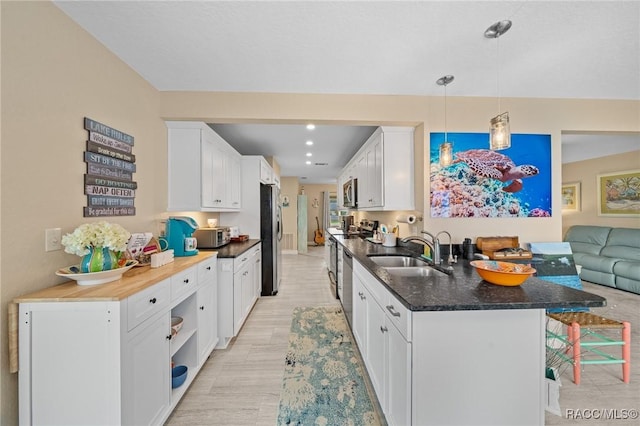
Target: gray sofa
x,y
606,255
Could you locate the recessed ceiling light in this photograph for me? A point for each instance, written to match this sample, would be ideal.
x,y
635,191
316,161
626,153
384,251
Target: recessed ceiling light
x,y
308,162
311,126
309,143
309,154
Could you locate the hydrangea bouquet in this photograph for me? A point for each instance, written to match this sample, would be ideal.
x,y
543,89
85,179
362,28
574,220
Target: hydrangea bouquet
x,y
98,234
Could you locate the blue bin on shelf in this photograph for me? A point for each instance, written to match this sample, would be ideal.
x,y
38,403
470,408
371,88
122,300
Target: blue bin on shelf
x,y
178,376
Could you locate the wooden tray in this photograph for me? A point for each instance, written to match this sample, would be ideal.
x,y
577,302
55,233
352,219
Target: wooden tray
x,y
240,239
492,246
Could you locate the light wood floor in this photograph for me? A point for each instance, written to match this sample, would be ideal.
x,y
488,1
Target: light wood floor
x,y
241,385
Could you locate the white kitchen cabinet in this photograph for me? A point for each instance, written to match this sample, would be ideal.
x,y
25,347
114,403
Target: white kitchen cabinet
x,y
370,173
147,395
204,170
416,366
237,292
385,350
242,289
207,309
256,260
385,170
248,218
102,354
266,172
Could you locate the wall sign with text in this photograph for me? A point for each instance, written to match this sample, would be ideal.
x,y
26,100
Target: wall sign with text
x,y
108,183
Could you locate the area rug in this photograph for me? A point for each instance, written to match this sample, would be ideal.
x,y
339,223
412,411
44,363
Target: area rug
x,y
324,381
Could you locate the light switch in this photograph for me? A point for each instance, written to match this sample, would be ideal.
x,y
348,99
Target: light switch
x,y
53,239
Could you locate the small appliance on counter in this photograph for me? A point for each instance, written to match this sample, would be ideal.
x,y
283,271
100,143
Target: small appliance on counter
x,y
179,231
346,222
213,237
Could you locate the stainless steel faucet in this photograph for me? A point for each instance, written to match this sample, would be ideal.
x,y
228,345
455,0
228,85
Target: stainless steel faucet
x,y
436,247
424,241
450,258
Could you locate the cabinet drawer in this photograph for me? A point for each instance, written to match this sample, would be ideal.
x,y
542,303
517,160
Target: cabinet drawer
x,y
146,303
184,282
207,270
241,260
399,315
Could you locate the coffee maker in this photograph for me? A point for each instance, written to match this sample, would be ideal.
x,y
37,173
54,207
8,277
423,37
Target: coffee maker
x,y
179,235
346,222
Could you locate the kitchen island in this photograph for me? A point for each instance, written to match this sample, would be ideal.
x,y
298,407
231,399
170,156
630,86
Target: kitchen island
x,y
453,349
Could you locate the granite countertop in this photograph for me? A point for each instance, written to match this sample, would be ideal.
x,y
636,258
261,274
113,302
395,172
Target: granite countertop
x,y
464,289
232,250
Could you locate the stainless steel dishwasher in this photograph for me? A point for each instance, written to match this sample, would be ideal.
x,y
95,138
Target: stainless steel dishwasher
x,y
347,285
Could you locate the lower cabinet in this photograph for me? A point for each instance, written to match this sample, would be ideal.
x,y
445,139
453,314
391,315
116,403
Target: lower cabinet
x,y
436,367
384,348
240,284
109,362
147,377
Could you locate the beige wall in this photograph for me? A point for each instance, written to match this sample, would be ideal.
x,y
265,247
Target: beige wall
x,y
585,172
289,187
54,74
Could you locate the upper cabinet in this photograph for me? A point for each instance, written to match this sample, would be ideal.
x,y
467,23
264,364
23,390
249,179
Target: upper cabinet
x,y
204,170
385,170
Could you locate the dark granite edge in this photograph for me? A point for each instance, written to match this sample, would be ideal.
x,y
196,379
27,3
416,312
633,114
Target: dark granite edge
x,y
233,250
467,291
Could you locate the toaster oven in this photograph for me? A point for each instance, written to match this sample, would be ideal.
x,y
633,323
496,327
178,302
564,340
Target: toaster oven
x,y
212,237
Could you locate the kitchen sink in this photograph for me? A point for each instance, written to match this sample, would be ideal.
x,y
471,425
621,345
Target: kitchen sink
x,y
414,271
398,261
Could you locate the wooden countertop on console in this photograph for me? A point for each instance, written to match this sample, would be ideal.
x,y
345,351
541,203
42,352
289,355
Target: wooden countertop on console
x,y
133,281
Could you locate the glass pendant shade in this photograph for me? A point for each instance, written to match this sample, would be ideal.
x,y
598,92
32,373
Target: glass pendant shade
x,y
500,133
446,154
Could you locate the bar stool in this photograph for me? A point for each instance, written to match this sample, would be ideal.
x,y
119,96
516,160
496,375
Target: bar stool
x,y
581,338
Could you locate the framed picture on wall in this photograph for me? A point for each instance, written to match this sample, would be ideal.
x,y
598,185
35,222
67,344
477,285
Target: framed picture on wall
x,y
571,197
619,194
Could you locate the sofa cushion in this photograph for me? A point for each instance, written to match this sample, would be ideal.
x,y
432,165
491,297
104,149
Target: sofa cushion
x,y
587,239
623,243
598,263
627,269
628,285
598,277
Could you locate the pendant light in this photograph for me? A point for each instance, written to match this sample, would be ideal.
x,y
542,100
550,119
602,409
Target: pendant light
x,y
446,147
500,133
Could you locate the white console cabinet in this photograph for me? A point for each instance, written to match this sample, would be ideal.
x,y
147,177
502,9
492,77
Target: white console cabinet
x,y
102,355
204,170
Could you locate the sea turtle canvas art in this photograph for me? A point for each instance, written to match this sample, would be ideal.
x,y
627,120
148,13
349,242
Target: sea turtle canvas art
x,y
493,164
514,182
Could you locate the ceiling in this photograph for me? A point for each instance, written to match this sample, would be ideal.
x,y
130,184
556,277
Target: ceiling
x,y
555,49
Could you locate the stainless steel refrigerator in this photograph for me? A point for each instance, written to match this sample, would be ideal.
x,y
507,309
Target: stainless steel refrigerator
x,y
271,236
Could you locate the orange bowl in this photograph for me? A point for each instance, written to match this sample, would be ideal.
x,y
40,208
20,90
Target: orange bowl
x,y
502,273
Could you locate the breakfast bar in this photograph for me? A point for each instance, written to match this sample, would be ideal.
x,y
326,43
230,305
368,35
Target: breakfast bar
x,y
447,349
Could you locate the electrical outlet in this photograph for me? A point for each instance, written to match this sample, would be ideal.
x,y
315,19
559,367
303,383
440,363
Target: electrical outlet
x,y
53,239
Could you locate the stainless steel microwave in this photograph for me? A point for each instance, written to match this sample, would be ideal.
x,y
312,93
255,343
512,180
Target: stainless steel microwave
x,y
350,193
212,237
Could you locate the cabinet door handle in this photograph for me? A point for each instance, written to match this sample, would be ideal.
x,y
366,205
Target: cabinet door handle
x,y
208,268
202,308
393,311
186,280
169,337
153,301
383,329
